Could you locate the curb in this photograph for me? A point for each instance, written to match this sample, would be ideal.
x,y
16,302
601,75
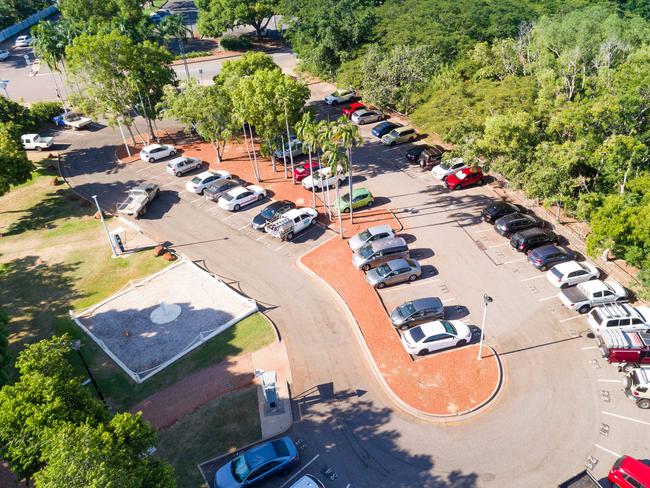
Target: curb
x,y
216,57
401,404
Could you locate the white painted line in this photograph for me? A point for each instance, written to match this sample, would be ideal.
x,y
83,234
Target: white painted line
x,y
610,381
401,286
515,260
480,231
281,246
615,454
244,226
300,471
498,245
587,348
533,278
465,320
547,298
214,207
261,237
572,318
448,300
626,418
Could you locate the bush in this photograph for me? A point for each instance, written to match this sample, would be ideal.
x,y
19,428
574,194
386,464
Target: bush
x,y
235,43
43,112
193,54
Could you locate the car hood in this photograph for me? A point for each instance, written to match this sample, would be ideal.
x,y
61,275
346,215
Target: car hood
x,y
224,478
396,318
259,221
463,331
372,276
356,242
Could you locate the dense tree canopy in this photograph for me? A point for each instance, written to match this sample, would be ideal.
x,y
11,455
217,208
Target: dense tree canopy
x,y
217,16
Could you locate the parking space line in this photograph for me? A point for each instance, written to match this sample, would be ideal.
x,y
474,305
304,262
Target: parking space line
x,y
498,245
610,381
480,231
587,348
448,300
515,260
625,418
572,318
299,471
281,246
261,237
533,278
410,284
244,226
615,454
547,298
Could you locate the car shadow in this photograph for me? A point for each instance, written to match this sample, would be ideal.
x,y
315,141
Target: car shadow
x,y
422,253
455,312
428,271
409,238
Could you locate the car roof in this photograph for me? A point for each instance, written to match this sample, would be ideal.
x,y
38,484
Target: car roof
x,y
427,302
295,212
255,188
378,229
29,135
531,232
259,455
432,328
205,174
179,159
146,148
360,191
398,263
386,123
548,249
403,128
388,242
238,190
568,267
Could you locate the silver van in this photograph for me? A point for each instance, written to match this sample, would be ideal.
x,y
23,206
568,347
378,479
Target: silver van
x,y
380,251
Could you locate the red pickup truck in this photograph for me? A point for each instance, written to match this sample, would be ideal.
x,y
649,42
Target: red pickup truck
x,y
631,349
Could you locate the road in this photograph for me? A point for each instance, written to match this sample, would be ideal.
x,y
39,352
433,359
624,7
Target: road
x,y
543,427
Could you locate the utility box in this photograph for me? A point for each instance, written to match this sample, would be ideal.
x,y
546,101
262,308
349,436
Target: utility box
x,y
118,238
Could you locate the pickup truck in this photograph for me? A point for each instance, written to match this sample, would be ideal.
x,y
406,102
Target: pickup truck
x,y
592,293
291,223
71,119
138,200
630,349
584,479
34,141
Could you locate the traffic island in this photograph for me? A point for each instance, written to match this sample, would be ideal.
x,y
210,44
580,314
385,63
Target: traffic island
x,y
443,384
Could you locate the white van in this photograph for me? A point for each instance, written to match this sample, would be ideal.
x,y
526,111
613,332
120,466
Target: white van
x,y
308,481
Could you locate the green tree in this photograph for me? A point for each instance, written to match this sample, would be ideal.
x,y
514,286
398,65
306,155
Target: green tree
x,y
307,133
347,134
116,454
5,355
15,167
233,70
217,16
336,159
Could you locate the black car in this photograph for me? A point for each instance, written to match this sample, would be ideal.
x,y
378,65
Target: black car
x,y
383,128
431,156
491,213
546,257
528,239
219,187
416,311
413,154
270,212
514,222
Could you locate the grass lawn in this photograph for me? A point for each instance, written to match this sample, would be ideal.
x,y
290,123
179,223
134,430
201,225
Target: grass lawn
x,y
209,432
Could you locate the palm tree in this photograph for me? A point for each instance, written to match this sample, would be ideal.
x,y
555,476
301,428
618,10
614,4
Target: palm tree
x,y
324,134
173,26
306,132
348,135
337,161
49,45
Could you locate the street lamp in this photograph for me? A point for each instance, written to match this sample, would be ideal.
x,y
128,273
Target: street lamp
x,y
108,235
487,299
76,345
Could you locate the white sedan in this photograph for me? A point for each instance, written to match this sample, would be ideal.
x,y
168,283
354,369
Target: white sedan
x,y
571,273
154,152
322,179
340,96
447,168
241,196
434,336
203,180
23,41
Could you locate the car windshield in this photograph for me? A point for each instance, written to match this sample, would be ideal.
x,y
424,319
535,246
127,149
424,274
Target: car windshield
x,y
596,316
240,469
196,180
417,334
227,197
460,175
448,327
556,272
346,197
406,310
269,212
366,251
383,270
364,236
394,133
444,165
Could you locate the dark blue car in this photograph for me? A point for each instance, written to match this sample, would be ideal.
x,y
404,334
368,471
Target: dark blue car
x,y
258,463
383,128
546,257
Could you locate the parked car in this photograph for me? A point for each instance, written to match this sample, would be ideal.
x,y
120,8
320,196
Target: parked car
x,y
492,213
383,128
435,336
23,41
180,166
431,156
393,273
138,200
525,240
220,187
322,179
340,96
296,149
291,223
308,481
302,171
515,222
619,316
413,154
628,472
258,463
380,251
361,197
370,234
637,388
34,141
414,312
4,54
464,177
446,168
271,212
154,152
571,273
399,135
630,349
364,116
591,293
545,257
240,197
200,182
353,107
72,120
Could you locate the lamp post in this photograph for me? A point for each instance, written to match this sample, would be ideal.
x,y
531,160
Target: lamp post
x,y
76,345
108,235
487,299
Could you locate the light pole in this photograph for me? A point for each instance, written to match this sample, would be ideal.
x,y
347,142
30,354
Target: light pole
x,y
108,235
3,87
76,345
487,299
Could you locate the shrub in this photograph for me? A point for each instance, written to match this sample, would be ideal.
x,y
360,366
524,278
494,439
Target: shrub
x,y
235,43
42,112
193,54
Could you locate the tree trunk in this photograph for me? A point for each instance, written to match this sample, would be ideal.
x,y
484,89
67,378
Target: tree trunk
x,y
284,157
128,127
215,145
350,183
338,207
313,188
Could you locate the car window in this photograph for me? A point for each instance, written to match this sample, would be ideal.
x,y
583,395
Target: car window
x,y
637,322
608,293
634,483
623,322
244,195
437,337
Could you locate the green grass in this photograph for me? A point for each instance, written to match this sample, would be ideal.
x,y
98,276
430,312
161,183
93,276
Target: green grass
x,y
219,427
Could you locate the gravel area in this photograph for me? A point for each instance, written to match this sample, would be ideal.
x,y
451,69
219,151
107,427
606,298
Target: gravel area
x,y
123,327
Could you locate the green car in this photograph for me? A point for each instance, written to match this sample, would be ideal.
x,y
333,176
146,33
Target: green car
x,y
361,197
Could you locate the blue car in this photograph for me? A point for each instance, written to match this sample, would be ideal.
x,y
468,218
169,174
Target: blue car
x,y
383,128
258,463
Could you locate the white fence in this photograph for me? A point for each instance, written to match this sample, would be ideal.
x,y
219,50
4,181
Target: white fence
x,y
28,22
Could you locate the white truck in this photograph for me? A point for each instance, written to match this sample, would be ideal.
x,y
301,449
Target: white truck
x,y
72,119
138,200
592,293
291,223
34,141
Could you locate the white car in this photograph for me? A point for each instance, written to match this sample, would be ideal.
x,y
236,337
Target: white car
x,y
340,96
241,196
322,179
571,273
203,180
447,168
23,41
591,293
4,54
364,116
296,149
181,165
434,336
154,152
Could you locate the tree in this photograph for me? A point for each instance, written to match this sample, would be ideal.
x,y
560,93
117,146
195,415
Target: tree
x,y
117,454
217,16
334,158
5,355
347,134
234,70
307,133
173,27
15,167
46,394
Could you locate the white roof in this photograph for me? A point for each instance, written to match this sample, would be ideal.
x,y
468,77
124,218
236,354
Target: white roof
x,y
205,174
378,229
151,146
296,212
593,286
255,188
568,267
30,135
238,190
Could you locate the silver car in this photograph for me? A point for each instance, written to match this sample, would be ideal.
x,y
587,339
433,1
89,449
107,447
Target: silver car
x,y
357,241
364,116
413,312
394,272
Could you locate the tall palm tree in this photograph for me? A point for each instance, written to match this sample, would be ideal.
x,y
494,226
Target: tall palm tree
x,y
337,161
173,27
306,132
324,135
347,134
50,41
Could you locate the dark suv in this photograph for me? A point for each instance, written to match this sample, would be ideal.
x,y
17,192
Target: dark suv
x,y
491,213
525,240
219,187
416,311
545,257
511,223
431,156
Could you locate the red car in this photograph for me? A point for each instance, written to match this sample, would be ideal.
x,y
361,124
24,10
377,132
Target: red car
x,y
627,472
353,107
300,172
464,177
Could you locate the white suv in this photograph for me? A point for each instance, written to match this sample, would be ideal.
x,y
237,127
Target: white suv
x,y
619,316
182,165
154,152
